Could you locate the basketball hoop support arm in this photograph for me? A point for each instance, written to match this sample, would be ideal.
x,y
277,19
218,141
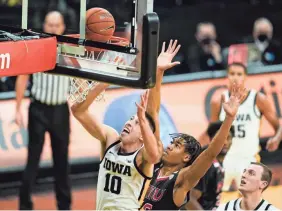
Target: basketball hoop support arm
x,y
24,13
82,22
147,31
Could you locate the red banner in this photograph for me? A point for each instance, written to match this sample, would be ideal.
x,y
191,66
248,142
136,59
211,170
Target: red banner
x,y
27,56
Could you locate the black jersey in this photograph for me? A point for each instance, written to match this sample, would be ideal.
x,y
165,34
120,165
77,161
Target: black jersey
x,y
210,185
159,195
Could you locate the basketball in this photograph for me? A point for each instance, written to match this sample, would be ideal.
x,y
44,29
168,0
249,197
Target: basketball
x,y
100,25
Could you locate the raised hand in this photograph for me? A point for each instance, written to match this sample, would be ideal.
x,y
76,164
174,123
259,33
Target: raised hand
x,y
141,108
238,93
166,56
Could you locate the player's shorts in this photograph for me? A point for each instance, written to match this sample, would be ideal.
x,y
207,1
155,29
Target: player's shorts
x,y
234,167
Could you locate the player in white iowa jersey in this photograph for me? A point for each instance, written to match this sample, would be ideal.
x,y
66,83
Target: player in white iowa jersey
x,y
245,144
119,177
255,179
129,157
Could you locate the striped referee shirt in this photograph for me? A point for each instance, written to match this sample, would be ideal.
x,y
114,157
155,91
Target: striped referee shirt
x,y
235,205
50,89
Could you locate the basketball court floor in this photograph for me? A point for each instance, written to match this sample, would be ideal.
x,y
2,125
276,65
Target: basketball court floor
x,y
84,197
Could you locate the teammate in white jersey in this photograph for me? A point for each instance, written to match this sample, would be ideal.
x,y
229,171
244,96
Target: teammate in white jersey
x,y
255,179
127,165
245,144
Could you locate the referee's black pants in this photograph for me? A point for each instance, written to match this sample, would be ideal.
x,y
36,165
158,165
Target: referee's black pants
x,y
55,120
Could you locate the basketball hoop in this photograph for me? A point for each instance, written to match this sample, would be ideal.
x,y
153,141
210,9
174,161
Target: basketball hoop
x,y
80,88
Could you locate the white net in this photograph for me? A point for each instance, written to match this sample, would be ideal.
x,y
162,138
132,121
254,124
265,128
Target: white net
x,y
80,88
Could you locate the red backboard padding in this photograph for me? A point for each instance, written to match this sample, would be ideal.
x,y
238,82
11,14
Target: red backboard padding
x,y
27,56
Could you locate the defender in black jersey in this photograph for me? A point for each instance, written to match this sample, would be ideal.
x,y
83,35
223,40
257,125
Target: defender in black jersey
x,y
181,167
255,179
206,194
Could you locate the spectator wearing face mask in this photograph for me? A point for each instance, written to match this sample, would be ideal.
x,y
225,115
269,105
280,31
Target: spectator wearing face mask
x,y
264,50
206,53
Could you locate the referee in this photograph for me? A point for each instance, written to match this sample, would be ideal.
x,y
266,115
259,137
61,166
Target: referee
x,y
48,112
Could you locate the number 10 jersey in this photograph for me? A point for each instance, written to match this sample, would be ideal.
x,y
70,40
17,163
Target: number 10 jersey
x,y
121,185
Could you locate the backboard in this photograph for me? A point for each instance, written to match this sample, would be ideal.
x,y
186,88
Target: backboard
x,y
128,59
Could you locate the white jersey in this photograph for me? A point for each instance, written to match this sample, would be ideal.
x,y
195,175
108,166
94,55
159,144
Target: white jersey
x,y
246,126
235,205
120,183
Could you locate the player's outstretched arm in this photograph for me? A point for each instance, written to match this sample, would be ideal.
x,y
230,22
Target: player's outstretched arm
x,y
154,100
149,139
164,63
189,176
97,129
269,113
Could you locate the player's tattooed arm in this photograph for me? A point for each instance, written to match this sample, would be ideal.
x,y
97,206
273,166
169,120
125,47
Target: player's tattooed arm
x,y
269,113
189,176
105,134
164,63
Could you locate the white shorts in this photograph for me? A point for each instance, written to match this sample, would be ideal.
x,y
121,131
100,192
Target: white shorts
x,y
234,167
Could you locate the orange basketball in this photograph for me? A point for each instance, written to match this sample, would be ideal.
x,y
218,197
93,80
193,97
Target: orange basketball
x,y
100,25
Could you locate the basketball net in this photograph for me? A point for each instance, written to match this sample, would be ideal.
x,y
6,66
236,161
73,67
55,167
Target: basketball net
x,y
80,88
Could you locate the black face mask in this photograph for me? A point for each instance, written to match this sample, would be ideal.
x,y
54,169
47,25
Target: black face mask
x,y
207,41
262,38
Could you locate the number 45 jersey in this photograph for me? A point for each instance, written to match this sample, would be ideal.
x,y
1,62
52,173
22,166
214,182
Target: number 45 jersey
x,y
121,185
245,142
